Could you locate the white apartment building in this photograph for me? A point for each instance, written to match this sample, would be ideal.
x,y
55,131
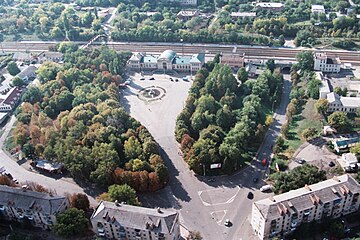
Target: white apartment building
x,y
325,64
342,104
281,214
121,221
40,209
9,100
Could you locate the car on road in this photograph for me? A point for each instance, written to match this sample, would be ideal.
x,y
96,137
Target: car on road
x,y
176,80
255,179
264,162
331,164
250,195
142,79
151,78
171,79
15,181
227,223
300,161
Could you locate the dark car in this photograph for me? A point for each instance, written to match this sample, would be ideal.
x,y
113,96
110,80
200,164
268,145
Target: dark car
x,y
352,168
152,78
300,161
176,80
331,164
250,195
142,79
171,79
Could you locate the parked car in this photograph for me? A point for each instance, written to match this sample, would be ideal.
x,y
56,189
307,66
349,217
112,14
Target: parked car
x,y
265,188
227,223
142,79
300,161
331,164
151,78
250,195
353,168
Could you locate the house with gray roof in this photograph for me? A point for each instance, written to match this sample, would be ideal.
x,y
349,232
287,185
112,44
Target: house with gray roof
x,y
40,209
280,215
28,73
122,221
167,60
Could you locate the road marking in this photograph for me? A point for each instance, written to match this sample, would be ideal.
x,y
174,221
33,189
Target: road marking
x,y
230,200
222,218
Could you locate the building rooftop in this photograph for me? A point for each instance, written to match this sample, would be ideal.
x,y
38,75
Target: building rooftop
x,y
149,59
353,102
160,221
316,7
243,14
50,54
27,72
11,95
168,54
25,199
198,58
304,198
188,13
49,166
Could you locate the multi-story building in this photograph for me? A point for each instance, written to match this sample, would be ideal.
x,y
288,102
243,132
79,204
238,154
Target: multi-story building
x,y
272,6
121,221
234,60
281,214
186,15
342,104
39,209
168,60
325,64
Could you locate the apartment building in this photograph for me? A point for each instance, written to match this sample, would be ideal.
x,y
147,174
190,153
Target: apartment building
x,y
10,99
40,209
280,215
121,221
271,6
325,64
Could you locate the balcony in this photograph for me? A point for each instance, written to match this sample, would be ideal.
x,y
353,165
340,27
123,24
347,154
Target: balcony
x,y
293,224
307,213
101,230
101,234
2,208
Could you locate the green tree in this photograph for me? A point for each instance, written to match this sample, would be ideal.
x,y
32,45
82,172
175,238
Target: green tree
x,y
242,75
194,235
12,68
309,133
339,121
132,148
270,64
305,60
17,82
123,193
356,150
71,223
322,105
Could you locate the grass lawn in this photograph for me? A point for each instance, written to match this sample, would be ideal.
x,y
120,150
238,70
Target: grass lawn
x,y
308,117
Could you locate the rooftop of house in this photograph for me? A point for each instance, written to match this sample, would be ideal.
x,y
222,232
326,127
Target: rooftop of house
x,y
168,54
317,7
155,220
306,197
50,54
30,70
188,13
30,200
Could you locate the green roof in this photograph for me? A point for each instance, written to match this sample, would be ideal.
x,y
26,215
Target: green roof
x,y
149,59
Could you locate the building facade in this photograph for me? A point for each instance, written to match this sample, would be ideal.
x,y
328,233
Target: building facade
x,y
325,64
166,61
39,209
121,221
317,9
234,60
280,215
184,2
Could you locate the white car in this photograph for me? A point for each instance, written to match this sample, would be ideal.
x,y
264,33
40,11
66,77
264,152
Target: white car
x,y
227,223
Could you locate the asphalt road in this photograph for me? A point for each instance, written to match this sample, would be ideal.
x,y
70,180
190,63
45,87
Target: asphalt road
x,y
189,48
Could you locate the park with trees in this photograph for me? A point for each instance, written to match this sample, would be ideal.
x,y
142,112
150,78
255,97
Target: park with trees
x,y
75,117
223,120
